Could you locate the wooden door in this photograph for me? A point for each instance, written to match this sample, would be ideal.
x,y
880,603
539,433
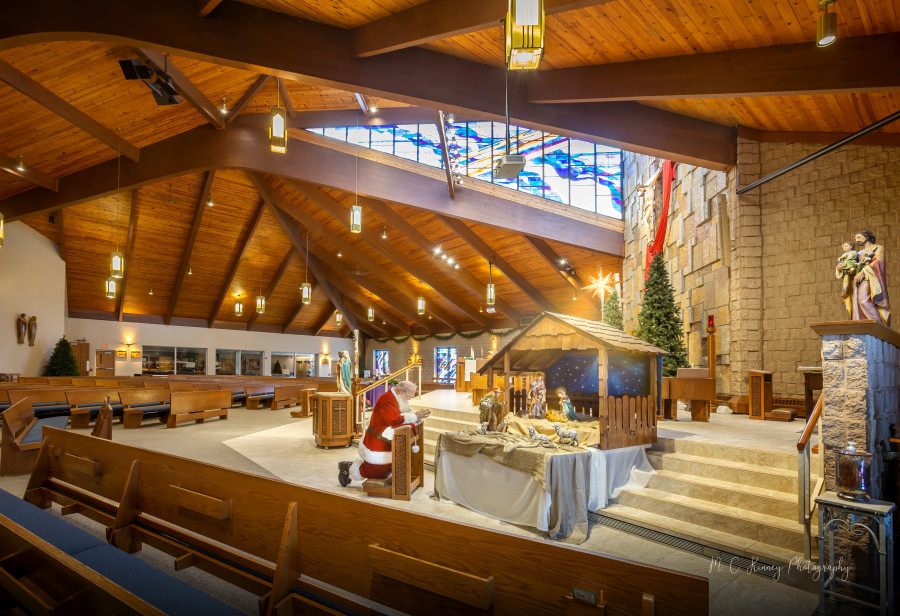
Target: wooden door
x,y
106,363
82,352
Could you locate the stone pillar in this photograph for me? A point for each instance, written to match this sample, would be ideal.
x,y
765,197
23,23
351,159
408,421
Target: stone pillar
x,y
861,387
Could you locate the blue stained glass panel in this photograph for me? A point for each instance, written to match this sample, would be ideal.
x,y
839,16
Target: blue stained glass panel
x,y
382,367
445,363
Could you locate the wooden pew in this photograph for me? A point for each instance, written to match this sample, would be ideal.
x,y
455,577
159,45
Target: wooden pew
x,y
259,394
260,534
140,403
21,437
44,401
86,402
238,396
286,395
197,406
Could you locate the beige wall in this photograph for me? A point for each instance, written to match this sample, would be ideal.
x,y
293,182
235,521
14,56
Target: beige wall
x,y
33,281
771,272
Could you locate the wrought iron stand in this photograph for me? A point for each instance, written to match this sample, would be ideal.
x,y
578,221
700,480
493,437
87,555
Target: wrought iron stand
x,y
875,519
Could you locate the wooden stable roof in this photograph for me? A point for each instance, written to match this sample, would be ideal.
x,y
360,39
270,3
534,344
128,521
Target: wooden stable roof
x,y
551,336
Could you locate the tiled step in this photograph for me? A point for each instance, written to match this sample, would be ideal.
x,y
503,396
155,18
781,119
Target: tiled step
x,y
714,538
755,527
749,498
734,472
772,459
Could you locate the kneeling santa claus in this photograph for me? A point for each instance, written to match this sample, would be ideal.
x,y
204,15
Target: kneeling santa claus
x,y
390,412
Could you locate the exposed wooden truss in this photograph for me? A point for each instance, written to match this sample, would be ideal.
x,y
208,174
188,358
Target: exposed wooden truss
x,y
241,147
859,64
555,261
248,96
325,55
38,93
286,98
236,262
185,86
205,7
28,173
189,244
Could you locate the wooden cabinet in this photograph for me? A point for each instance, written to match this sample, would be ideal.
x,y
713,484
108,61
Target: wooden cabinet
x,y
761,398
332,419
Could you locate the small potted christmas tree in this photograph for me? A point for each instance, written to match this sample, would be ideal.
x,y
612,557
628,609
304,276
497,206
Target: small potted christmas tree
x,y
62,360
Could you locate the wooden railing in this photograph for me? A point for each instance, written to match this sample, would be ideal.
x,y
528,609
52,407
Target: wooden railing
x,y
806,494
359,407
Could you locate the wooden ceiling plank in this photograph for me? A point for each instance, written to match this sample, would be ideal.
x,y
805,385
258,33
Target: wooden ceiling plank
x,y
323,55
570,276
28,173
247,96
362,312
41,95
185,86
477,288
487,253
361,300
129,255
445,151
189,244
241,147
857,64
274,283
205,7
440,19
337,211
286,97
319,325
312,225
236,263
293,233
292,316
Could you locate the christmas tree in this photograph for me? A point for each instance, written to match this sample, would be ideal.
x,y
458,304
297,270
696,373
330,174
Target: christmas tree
x,y
62,360
658,321
612,311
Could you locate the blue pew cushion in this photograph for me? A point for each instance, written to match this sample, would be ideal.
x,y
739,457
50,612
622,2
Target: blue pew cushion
x,y
34,435
159,589
263,396
159,408
43,404
95,406
134,406
45,409
58,533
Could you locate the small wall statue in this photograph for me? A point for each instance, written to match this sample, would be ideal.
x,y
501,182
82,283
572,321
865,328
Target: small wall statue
x,y
491,408
537,397
32,330
863,273
21,326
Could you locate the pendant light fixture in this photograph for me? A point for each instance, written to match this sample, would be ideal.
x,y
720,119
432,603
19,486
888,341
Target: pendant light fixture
x,y
224,107
371,313
306,288
150,292
420,304
355,209
238,308
338,318
117,259
524,34
278,126
826,27
190,270
21,166
2,232
260,299
111,288
384,232
491,296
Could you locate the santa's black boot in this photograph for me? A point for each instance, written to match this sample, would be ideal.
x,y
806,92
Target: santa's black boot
x,y
344,473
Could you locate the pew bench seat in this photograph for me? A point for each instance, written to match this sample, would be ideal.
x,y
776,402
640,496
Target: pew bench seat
x,y
33,437
157,588
82,414
20,437
135,413
51,408
254,402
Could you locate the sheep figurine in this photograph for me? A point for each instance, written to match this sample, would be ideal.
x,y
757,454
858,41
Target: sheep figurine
x,y
482,429
566,435
533,435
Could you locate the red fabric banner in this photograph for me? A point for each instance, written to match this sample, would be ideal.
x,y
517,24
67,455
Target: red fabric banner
x,y
655,247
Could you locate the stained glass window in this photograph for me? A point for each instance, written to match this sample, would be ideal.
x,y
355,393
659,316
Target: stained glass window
x,y
382,367
572,171
445,363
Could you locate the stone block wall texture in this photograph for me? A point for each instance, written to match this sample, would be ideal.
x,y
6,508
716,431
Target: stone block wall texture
x,y
784,240
399,353
862,399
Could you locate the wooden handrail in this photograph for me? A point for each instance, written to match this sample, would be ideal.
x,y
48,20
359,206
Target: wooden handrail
x,y
811,424
388,378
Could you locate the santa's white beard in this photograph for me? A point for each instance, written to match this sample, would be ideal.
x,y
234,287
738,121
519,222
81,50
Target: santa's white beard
x,y
402,403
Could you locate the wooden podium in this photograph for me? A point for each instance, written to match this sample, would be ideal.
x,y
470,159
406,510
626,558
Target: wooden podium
x,y
407,468
332,414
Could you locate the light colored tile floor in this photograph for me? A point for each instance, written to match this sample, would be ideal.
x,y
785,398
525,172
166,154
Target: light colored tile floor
x,y
272,444
737,430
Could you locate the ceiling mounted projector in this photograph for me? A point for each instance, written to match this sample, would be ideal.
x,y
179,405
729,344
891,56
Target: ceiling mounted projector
x,y
163,87
509,167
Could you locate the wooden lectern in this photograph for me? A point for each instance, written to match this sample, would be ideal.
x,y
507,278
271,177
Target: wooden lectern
x,y
407,468
761,398
332,419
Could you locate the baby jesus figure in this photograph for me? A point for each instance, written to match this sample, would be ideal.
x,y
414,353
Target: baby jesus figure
x,y
849,264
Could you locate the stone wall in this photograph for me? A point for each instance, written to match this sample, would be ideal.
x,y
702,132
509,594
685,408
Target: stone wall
x,y
862,398
763,262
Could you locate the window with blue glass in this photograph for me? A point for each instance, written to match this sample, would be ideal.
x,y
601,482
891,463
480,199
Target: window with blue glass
x,y
382,367
445,363
571,171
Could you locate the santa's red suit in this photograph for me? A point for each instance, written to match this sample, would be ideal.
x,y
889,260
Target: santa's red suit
x,y
375,455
